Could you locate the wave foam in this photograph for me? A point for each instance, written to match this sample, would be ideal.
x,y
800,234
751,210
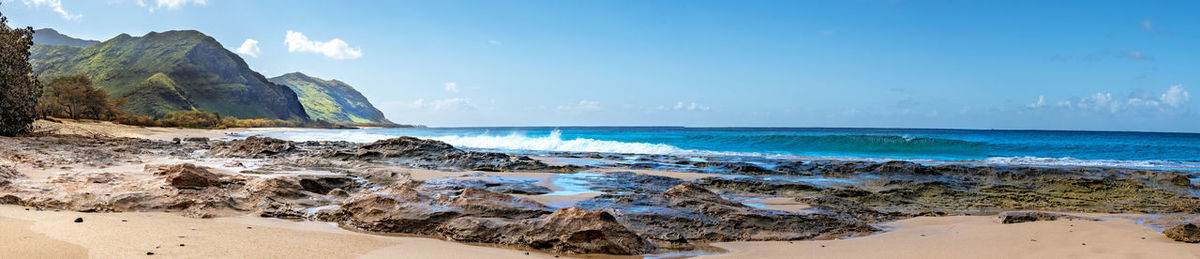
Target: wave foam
x,y
555,142
1069,161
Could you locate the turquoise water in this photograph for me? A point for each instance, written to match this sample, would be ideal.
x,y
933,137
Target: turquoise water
x,y
1082,148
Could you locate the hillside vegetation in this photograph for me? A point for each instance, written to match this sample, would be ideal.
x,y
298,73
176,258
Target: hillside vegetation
x,y
331,100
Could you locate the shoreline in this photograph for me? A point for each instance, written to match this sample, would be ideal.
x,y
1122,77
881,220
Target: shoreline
x,y
915,236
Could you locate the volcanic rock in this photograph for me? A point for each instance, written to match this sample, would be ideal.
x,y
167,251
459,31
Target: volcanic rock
x,y
1189,233
253,147
189,176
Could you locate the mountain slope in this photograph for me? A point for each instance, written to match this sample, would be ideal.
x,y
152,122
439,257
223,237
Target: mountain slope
x,y
52,37
331,100
171,71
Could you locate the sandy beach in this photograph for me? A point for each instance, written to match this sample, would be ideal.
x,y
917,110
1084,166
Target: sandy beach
x,y
982,237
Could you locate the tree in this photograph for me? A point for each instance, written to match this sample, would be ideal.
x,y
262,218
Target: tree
x,y
78,98
19,88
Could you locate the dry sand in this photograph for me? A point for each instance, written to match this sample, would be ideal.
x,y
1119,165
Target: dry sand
x,y
982,237
50,234
104,128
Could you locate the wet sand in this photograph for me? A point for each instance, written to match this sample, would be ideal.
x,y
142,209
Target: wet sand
x,y
982,237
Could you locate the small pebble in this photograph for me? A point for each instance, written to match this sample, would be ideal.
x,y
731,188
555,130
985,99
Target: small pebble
x,y
789,242
78,220
526,253
180,244
1033,240
922,234
822,245
124,220
1143,237
1084,244
149,253
249,227
26,208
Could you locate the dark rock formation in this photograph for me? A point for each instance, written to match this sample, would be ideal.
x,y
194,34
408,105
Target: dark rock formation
x,y
425,153
253,147
687,214
1013,217
1189,233
578,230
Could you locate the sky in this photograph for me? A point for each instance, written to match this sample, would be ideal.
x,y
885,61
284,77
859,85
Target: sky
x,y
1071,65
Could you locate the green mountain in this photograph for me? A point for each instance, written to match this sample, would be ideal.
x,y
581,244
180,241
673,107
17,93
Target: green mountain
x,y
172,71
52,37
331,100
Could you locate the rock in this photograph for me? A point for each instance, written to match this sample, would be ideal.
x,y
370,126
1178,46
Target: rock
x,y
1181,181
78,220
189,176
687,215
1189,233
196,139
254,147
7,174
1013,217
483,203
433,154
747,169
574,230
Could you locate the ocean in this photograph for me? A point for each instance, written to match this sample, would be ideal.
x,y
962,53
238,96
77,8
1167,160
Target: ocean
x,y
1146,150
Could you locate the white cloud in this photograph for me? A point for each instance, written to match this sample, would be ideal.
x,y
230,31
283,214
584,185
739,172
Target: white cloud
x,y
53,4
335,48
451,87
1041,101
249,48
495,42
450,104
1174,100
583,105
170,4
690,106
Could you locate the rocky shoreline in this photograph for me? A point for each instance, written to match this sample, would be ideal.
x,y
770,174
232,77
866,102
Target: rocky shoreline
x,y
372,187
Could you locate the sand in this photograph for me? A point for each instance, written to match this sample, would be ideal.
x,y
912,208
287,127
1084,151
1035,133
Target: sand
x,y
104,128
982,237
51,234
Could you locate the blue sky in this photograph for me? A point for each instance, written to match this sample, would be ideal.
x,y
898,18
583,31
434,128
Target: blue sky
x,y
1099,65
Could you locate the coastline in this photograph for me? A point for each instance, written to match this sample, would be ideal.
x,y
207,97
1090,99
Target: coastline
x,y
52,234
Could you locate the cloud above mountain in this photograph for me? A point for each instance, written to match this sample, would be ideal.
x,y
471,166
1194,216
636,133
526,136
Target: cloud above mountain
x,y
249,48
335,48
55,5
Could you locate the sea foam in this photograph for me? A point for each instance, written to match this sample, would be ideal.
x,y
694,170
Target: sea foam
x,y
555,142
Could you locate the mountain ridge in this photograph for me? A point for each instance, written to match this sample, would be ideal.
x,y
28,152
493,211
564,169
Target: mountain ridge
x,y
331,100
50,36
171,71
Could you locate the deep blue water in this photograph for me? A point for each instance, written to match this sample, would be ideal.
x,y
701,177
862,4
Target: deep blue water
x,y
1089,148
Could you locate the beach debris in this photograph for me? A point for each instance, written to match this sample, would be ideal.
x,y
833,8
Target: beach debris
x,y
78,220
1189,233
